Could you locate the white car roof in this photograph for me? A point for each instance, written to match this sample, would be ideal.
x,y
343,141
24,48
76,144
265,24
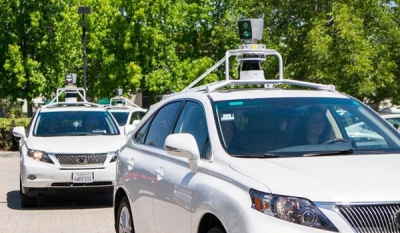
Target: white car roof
x,y
125,109
70,108
234,94
272,93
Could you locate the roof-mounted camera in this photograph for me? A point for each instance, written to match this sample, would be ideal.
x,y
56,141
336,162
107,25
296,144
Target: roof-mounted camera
x,y
70,91
249,56
120,101
70,80
250,32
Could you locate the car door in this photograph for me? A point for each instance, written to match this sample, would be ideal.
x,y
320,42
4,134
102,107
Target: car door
x,y
173,199
139,170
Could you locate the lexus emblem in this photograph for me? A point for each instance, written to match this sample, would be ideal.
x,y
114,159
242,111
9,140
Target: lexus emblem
x,y
397,218
82,160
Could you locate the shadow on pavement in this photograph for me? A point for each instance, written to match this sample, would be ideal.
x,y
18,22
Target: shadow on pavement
x,y
62,201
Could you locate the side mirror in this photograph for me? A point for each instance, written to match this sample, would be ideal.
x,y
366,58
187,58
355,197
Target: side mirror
x,y
128,129
184,145
19,131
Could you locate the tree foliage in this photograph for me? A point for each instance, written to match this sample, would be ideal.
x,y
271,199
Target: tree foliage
x,y
151,46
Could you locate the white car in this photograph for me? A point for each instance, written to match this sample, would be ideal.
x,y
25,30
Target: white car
x,y
68,146
395,109
392,118
126,116
224,157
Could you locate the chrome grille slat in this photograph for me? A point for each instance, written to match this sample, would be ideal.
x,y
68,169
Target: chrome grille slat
x,y
85,159
392,209
387,222
371,218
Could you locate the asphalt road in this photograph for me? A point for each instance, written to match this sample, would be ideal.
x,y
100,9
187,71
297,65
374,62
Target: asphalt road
x,y
61,213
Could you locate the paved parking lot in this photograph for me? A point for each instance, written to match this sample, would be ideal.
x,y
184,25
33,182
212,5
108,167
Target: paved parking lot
x,y
53,214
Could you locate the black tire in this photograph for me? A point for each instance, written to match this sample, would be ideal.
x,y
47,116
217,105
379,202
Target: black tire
x,y
124,222
26,201
218,229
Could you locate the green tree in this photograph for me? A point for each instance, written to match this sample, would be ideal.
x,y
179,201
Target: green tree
x,y
33,63
351,44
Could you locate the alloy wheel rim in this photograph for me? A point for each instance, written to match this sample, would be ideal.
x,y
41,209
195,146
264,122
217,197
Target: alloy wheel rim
x,y
124,221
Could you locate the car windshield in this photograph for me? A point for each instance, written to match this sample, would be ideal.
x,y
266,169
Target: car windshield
x,y
121,117
281,127
74,123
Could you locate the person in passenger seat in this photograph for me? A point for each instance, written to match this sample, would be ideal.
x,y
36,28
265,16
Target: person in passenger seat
x,y
316,130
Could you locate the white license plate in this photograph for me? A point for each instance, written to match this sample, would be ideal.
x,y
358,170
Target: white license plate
x,y
82,177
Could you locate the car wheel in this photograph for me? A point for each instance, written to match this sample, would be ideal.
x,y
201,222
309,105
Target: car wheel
x,y
26,201
218,229
125,222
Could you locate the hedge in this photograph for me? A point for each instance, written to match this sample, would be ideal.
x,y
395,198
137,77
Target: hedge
x,y
7,140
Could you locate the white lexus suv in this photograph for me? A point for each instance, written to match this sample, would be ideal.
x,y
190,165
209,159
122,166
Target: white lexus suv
x,y
256,155
68,146
126,113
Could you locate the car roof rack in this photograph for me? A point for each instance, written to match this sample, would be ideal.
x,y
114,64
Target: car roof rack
x,y
118,101
249,56
72,93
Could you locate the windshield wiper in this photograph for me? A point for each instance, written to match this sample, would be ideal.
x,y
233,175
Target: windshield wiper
x,y
269,155
335,152
258,156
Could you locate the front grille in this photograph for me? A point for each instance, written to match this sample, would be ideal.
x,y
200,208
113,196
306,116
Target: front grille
x,y
372,218
81,159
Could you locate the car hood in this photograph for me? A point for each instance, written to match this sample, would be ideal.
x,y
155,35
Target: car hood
x,y
77,144
357,178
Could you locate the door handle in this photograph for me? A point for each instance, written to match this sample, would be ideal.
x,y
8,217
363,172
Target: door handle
x,y
130,163
159,173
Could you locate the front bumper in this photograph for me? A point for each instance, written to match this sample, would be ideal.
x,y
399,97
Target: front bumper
x,y
44,178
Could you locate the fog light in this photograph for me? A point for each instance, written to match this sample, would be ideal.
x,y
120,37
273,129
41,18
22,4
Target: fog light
x,y
31,177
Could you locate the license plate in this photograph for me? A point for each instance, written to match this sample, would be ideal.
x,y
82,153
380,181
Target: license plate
x,y
82,177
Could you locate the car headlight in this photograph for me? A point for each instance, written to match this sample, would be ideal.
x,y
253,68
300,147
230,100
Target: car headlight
x,y
115,154
292,209
39,155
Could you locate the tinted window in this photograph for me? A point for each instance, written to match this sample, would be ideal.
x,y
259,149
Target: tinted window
x,y
140,135
193,121
121,117
161,125
136,116
76,123
297,126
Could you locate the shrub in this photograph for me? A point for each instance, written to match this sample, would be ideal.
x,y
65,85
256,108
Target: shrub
x,y
7,140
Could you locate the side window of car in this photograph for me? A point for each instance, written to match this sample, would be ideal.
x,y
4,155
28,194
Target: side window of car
x,y
140,135
160,126
192,120
136,116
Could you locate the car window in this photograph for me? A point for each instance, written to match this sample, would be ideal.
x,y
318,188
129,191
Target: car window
x,y
120,117
395,121
75,123
136,116
296,126
161,125
192,120
140,135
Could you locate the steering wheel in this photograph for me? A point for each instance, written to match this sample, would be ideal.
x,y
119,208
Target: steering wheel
x,y
336,140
